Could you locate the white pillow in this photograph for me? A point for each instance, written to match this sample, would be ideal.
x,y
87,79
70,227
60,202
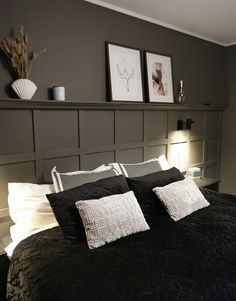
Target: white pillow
x,y
141,169
18,234
28,205
163,162
110,218
67,180
181,198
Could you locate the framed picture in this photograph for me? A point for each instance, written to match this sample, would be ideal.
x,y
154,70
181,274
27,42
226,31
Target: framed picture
x,y
159,77
125,73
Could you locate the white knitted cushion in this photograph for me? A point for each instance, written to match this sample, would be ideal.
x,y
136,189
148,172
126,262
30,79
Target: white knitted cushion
x,y
110,218
181,198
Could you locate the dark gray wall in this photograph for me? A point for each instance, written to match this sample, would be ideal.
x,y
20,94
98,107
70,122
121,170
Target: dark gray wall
x,y
228,160
74,32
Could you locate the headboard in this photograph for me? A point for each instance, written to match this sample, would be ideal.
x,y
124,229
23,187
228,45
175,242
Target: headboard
x,y
36,135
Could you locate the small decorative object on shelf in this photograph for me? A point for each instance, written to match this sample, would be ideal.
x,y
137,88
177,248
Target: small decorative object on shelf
x,y
20,61
180,97
194,172
24,88
58,93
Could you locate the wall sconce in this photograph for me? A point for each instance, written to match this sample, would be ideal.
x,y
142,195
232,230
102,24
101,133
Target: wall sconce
x,y
180,125
188,124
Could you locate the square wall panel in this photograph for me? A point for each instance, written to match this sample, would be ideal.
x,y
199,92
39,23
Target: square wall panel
x,y
213,123
19,172
178,155
129,126
196,152
6,223
56,129
91,161
96,128
133,155
197,128
155,125
211,171
154,151
65,164
16,131
178,136
212,149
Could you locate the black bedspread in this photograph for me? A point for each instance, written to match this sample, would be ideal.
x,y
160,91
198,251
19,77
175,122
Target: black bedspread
x,y
190,260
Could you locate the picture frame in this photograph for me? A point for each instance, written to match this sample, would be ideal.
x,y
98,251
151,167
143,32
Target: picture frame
x,y
159,77
125,73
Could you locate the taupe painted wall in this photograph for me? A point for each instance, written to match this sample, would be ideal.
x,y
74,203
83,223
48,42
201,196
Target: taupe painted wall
x,y
74,32
228,154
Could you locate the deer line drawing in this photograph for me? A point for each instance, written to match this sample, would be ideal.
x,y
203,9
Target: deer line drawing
x,y
125,75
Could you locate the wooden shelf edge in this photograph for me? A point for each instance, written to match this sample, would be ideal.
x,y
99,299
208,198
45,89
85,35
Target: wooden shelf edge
x,y
204,181
69,105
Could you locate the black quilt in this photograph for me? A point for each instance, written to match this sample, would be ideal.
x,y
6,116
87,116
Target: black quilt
x,y
193,259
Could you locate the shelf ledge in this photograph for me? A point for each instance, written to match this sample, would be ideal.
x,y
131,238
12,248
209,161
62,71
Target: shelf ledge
x,y
69,105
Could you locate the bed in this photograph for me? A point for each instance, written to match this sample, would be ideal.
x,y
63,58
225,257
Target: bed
x,y
193,259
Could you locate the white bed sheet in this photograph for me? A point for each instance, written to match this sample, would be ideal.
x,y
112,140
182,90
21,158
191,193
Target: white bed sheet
x,y
18,238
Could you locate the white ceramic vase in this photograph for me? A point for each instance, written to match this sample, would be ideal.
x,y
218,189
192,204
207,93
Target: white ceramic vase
x,y
24,88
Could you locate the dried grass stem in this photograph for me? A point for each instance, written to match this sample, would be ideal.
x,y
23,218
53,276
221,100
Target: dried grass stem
x,y
19,57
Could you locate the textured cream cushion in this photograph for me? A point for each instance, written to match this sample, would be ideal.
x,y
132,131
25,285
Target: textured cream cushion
x,y
181,198
110,218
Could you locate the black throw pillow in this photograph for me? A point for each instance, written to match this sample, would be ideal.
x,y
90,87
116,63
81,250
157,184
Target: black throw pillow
x,y
142,188
63,203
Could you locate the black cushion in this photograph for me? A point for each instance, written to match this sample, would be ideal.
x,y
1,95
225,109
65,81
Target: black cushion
x,y
63,203
142,187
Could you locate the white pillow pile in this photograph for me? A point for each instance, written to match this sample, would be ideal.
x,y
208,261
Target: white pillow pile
x,y
29,208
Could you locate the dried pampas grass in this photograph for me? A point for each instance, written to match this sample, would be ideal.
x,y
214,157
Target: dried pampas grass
x,y
16,50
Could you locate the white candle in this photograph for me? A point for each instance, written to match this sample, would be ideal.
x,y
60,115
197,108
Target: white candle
x,y
58,93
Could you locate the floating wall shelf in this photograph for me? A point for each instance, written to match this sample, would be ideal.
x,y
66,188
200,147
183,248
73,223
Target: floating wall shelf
x,y
68,105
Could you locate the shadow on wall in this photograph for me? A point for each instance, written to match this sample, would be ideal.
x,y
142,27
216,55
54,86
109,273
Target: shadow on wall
x,y
7,88
228,153
228,148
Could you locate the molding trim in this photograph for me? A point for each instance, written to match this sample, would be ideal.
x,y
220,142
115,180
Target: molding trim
x,y
109,105
155,21
4,213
